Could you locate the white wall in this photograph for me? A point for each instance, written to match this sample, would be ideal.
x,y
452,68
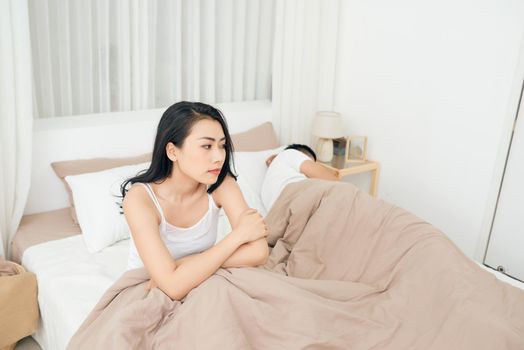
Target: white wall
x,y
430,83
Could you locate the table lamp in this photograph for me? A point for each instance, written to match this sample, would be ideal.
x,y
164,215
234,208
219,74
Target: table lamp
x,y
327,126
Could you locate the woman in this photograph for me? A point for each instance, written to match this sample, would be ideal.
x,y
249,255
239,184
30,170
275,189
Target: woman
x,y
172,208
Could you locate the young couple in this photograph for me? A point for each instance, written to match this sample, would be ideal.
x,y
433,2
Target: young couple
x,y
172,208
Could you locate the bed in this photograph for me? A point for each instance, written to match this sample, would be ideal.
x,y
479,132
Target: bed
x,y
71,280
49,240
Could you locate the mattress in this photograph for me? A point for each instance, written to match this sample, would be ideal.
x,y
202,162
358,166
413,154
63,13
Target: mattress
x,y
70,282
40,228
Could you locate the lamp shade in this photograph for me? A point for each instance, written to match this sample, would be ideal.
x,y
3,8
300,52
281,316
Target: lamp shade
x,y
328,125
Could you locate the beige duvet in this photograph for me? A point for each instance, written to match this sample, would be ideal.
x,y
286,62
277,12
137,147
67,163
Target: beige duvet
x,y
347,271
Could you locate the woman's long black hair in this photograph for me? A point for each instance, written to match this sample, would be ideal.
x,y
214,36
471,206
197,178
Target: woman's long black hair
x,y
174,126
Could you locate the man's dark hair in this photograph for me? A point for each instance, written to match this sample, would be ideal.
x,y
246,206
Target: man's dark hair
x,y
303,148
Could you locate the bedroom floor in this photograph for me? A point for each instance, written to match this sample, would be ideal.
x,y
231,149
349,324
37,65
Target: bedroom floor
x,y
27,343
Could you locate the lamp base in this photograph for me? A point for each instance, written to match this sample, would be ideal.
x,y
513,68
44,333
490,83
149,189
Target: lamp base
x,y
324,150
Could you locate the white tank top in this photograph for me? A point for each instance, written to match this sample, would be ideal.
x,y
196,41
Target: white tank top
x,y
181,241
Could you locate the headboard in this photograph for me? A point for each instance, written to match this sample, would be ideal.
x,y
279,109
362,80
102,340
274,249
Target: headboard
x,y
119,134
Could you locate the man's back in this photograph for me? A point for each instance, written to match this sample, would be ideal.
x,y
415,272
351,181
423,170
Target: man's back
x,y
283,170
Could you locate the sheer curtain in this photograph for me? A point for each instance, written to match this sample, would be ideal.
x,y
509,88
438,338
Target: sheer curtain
x,y
16,117
93,56
304,65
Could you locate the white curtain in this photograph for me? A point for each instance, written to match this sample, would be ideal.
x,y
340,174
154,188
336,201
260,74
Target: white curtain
x,y
93,56
304,65
16,117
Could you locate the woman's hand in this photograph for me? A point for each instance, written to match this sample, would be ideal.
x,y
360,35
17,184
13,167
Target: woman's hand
x,y
250,226
151,284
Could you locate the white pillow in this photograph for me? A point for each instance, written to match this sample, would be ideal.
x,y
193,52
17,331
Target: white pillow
x,y
252,166
97,197
224,227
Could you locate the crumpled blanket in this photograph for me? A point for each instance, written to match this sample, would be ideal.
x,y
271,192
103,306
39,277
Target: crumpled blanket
x,y
346,271
18,303
8,268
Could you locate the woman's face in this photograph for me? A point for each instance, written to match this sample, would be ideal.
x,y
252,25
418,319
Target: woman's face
x,y
203,153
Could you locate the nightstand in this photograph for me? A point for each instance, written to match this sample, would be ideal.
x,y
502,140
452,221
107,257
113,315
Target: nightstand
x,y
341,169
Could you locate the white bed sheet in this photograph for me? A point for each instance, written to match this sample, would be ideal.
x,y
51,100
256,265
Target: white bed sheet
x,y
70,283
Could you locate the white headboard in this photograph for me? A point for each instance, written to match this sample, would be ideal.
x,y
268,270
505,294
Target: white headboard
x,y
119,134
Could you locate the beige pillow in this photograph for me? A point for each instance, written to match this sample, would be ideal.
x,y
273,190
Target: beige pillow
x,y
259,138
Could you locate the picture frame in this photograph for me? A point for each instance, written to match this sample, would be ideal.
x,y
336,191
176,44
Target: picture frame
x,y
356,149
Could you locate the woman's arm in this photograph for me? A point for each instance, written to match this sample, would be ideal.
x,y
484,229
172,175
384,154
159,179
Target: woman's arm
x,y
176,280
255,253
249,254
244,256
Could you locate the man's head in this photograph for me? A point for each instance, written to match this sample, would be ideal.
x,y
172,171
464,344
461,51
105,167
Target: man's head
x,y
304,149
299,147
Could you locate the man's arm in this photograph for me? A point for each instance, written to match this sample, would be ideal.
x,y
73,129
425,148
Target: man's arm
x,y
316,170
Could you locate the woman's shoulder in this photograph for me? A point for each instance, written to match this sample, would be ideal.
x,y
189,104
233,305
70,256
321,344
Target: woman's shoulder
x,y
222,191
137,187
138,202
136,193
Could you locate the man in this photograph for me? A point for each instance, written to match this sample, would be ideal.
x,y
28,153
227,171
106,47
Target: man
x,y
295,163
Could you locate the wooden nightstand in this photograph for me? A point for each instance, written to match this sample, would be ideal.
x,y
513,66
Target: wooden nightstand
x,y
341,169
